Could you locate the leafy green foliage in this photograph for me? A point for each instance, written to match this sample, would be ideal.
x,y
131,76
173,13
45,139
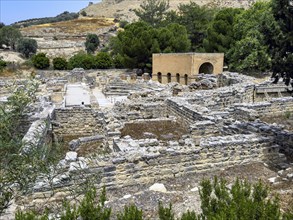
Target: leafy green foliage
x,y
166,213
91,43
60,63
30,216
3,64
189,216
130,213
254,31
243,201
135,45
282,11
90,209
82,60
2,25
220,34
123,23
27,46
152,11
103,60
41,61
196,20
9,36
64,16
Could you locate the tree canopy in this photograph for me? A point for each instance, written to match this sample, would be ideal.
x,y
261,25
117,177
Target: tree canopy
x,y
9,36
152,11
27,47
136,44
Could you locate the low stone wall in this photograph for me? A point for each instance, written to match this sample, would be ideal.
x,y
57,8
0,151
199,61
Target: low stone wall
x,y
146,161
274,107
77,121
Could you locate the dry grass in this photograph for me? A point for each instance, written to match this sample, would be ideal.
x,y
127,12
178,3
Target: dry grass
x,y
75,26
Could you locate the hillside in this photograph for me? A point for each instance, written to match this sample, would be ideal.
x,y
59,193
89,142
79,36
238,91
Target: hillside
x,y
67,37
123,9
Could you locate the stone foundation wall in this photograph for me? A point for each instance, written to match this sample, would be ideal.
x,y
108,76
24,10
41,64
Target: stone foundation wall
x,y
275,107
77,121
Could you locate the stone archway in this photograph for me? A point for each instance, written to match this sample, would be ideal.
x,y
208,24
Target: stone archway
x,y
206,68
169,77
178,77
159,77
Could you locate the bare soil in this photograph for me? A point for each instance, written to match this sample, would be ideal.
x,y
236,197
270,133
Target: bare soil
x,y
162,130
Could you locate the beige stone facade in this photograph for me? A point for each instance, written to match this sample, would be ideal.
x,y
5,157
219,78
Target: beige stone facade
x,y
183,67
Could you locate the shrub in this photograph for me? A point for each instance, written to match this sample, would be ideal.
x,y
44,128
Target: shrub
x,y
103,60
83,13
82,60
60,63
118,61
123,23
41,61
130,213
3,64
165,213
27,46
91,43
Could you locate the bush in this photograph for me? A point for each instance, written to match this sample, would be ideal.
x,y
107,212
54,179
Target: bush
x,y
60,63
91,43
118,61
41,61
123,23
82,60
83,13
3,64
130,213
103,60
27,46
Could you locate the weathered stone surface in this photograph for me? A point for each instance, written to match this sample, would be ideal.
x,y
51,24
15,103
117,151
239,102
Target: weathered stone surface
x,y
159,187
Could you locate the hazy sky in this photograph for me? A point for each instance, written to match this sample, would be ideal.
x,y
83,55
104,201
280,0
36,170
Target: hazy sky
x,y
17,10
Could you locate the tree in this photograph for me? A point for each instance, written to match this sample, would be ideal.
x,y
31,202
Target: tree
x,y
2,25
283,51
41,61
91,43
103,61
82,60
60,63
152,11
220,34
27,46
9,36
196,20
136,44
254,31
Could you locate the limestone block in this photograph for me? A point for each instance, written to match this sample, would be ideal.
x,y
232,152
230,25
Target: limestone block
x,y
158,187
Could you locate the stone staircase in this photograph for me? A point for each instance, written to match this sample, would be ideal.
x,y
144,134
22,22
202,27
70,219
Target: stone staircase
x,y
117,87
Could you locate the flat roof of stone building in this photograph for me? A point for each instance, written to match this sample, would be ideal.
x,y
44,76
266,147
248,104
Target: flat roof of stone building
x,y
190,53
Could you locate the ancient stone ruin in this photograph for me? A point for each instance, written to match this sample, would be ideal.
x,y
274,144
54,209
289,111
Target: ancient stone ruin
x,y
125,132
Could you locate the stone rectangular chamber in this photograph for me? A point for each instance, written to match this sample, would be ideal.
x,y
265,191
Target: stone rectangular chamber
x,y
183,67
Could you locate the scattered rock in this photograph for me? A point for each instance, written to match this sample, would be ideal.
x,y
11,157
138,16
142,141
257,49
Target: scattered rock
x,y
158,187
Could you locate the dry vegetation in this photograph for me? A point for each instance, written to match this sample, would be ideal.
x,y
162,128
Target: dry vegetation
x,y
76,26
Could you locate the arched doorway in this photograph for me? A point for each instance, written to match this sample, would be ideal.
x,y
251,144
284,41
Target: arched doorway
x,y
178,77
206,68
185,79
168,77
159,77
